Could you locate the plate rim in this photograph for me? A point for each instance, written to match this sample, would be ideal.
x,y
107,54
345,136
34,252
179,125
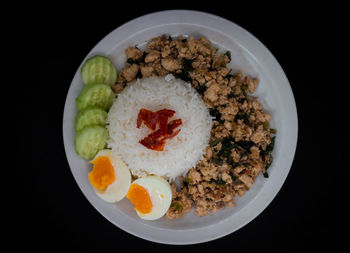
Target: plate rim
x,y
276,190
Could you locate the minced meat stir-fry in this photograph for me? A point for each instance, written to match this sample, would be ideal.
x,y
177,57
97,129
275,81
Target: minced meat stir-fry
x,y
241,138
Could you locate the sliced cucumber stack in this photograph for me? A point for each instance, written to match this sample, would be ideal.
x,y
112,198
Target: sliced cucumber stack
x,y
90,140
90,116
100,95
98,73
98,69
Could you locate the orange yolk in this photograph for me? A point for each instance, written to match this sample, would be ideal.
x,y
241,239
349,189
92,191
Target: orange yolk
x,y
102,173
139,196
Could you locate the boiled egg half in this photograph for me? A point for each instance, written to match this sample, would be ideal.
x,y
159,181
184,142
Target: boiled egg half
x,y
110,177
151,197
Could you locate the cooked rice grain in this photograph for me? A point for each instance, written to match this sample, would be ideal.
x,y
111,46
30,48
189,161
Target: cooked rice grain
x,y
180,153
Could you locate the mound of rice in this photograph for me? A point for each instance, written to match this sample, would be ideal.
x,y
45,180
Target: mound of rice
x,y
180,153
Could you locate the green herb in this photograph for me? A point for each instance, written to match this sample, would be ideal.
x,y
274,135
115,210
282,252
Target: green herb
x,y
211,68
189,180
241,100
186,68
139,74
224,153
268,165
266,175
242,172
144,54
218,182
244,153
130,61
234,178
228,76
228,54
183,76
226,147
266,125
245,145
137,61
269,148
216,114
201,89
176,206
231,95
230,160
228,143
187,64
244,89
214,142
242,116
273,131
217,161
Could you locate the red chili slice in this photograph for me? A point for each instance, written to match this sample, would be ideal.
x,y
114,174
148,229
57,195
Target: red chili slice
x,y
150,119
163,126
174,124
147,117
154,144
245,79
172,135
165,113
156,140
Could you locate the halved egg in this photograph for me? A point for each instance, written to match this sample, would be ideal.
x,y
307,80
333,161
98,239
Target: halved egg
x,y
110,177
151,197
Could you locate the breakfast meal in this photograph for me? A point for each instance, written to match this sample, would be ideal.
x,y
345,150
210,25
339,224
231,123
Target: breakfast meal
x,y
174,130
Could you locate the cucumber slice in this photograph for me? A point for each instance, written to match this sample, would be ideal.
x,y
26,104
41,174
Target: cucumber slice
x,y
98,69
99,95
90,116
90,140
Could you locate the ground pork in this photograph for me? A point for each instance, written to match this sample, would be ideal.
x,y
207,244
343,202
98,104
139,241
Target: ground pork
x,y
241,138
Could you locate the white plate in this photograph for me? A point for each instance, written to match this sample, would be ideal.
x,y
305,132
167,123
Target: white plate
x,y
248,55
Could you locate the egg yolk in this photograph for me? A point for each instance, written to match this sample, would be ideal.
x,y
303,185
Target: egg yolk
x,y
102,173
139,196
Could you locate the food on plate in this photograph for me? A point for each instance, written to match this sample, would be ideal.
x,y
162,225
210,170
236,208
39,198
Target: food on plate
x,y
180,121
90,116
90,140
110,177
179,153
151,197
98,69
100,95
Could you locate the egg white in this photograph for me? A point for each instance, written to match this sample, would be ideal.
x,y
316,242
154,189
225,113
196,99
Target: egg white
x,y
117,190
160,194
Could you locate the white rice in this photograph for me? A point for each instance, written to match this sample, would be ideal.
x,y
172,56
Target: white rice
x,y
182,152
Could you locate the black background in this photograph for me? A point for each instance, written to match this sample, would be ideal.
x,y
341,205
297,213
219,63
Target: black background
x,y
306,213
